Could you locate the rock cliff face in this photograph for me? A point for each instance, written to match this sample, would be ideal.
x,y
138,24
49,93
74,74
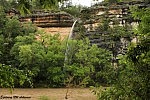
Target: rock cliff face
x,y
117,13
102,18
49,19
50,22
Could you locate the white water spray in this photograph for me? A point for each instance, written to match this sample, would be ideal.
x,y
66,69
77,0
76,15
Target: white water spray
x,y
69,38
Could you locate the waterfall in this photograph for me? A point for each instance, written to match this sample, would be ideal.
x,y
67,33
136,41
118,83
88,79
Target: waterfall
x,y
71,32
69,38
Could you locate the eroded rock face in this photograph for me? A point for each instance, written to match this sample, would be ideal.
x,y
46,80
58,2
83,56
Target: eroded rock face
x,y
49,19
117,14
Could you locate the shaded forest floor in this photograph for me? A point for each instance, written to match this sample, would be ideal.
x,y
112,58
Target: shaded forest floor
x,y
49,94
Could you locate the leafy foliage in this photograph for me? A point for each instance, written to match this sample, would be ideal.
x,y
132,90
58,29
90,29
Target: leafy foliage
x,y
132,75
85,63
10,76
25,7
73,10
42,55
10,30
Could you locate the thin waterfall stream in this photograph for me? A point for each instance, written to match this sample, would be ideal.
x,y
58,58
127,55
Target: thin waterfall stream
x,y
69,38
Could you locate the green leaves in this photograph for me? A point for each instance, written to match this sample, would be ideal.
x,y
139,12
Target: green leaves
x,y
143,16
25,55
44,54
84,62
9,76
48,4
24,6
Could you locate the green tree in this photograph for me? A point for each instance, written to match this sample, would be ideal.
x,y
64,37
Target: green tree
x,y
73,10
85,63
44,54
9,30
132,75
26,6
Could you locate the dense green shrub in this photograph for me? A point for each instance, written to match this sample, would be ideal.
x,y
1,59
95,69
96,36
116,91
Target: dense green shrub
x,y
85,64
10,76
